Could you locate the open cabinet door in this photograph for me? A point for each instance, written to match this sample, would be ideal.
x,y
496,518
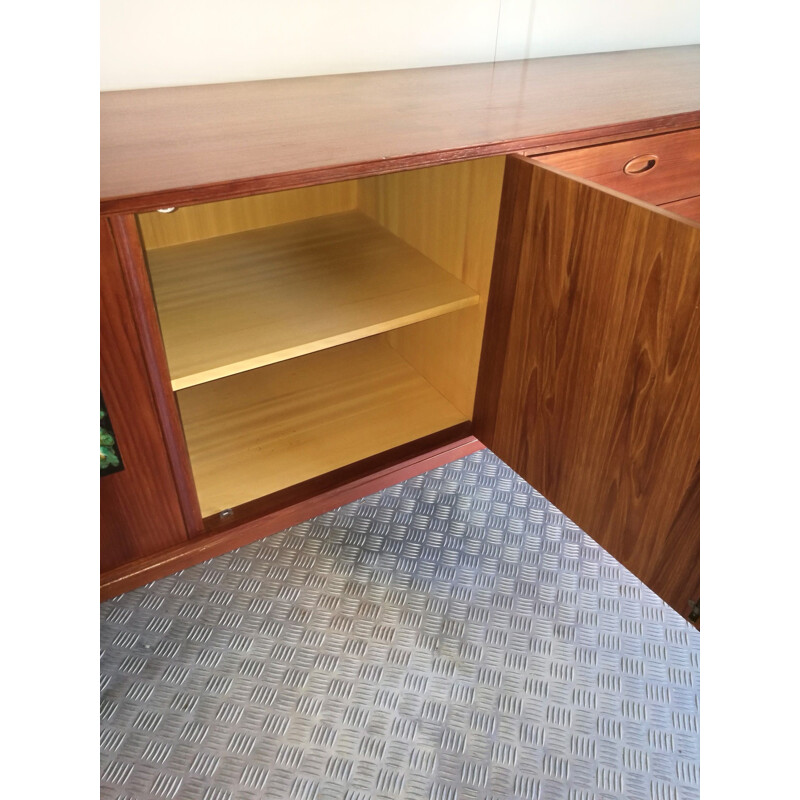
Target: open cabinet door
x,y
589,385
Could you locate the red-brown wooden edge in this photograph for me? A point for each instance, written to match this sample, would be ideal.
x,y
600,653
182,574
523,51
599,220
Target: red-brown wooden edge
x,y
329,481
142,571
143,311
192,144
140,511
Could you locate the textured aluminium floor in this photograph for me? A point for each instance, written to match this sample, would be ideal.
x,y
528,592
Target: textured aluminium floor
x,y
453,637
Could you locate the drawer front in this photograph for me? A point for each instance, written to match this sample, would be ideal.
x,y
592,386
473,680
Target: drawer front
x,y
690,207
658,169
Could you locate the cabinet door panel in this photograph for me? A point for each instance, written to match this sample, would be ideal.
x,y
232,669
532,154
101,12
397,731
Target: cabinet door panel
x,y
140,512
589,383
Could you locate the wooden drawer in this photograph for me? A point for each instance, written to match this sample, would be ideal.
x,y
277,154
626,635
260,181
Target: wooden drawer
x,y
688,207
673,160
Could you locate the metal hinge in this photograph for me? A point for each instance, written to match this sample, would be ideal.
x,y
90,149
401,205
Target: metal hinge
x,y
694,610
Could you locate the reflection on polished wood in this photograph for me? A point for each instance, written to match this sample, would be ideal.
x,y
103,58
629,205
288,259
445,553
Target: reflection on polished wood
x,y
172,146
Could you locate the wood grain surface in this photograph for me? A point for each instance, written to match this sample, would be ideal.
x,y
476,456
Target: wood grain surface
x,y
249,299
690,208
174,146
306,491
260,431
590,373
139,509
675,176
128,242
192,223
448,213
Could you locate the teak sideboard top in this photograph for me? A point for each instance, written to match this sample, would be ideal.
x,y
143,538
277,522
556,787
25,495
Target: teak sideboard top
x,y
175,146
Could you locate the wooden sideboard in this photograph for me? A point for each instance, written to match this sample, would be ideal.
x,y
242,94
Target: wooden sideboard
x,y
314,288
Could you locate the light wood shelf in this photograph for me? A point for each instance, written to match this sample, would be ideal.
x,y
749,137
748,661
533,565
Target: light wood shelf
x,y
246,300
260,431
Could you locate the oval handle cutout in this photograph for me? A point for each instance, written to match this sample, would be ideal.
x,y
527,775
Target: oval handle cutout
x,y
640,164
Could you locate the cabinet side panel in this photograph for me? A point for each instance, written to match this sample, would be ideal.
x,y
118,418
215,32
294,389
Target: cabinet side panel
x,y
597,399
143,310
449,213
511,230
139,509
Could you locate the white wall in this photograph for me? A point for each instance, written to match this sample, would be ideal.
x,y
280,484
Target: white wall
x,y
148,43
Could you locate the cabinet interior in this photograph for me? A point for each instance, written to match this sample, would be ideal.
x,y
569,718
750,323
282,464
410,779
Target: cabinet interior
x,y
308,329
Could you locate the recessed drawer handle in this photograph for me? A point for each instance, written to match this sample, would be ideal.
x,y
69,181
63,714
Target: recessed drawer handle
x,y
640,164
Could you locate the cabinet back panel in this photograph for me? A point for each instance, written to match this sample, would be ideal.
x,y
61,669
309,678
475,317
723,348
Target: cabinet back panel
x,y
192,223
449,213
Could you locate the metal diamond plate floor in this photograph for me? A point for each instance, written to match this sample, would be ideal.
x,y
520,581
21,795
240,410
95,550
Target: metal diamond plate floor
x,y
454,637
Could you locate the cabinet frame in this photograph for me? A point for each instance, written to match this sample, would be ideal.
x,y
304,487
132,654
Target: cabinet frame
x,y
140,510
625,120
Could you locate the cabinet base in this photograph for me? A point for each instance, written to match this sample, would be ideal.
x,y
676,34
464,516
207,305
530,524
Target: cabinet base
x,y
144,570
